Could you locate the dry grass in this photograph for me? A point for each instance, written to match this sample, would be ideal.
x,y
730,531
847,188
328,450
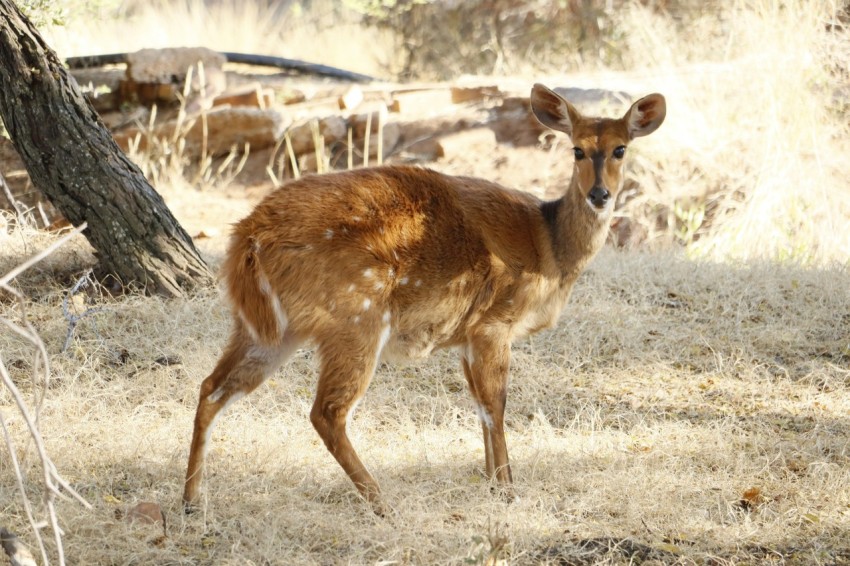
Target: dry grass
x,y
756,131
669,390
685,410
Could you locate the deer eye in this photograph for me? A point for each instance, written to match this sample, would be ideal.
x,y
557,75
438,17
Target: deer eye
x,y
619,151
579,153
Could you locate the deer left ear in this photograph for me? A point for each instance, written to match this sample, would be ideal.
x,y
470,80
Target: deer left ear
x,y
552,110
646,115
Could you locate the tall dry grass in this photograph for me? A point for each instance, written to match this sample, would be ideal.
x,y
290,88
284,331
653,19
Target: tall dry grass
x,y
324,32
757,130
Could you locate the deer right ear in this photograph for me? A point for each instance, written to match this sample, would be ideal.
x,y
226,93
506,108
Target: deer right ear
x,y
552,110
646,115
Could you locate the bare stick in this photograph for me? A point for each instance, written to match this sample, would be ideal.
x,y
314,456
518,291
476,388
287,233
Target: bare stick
x,y
27,505
53,483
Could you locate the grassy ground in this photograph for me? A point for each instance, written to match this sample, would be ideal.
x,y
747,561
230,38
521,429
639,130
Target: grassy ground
x,y
681,412
692,406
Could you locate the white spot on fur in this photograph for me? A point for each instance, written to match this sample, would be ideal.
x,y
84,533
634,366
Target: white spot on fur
x,y
366,304
265,286
367,273
391,273
418,283
379,285
356,219
403,280
351,288
356,319
329,234
387,316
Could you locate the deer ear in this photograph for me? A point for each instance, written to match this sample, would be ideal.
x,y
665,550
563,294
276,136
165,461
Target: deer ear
x,y
646,115
552,110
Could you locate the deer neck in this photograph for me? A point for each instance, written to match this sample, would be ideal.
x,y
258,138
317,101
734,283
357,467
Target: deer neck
x,y
577,231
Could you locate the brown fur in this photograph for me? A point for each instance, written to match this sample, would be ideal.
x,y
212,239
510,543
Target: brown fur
x,y
399,261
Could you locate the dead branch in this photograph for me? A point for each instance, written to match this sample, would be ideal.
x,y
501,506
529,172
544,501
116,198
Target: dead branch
x,y
54,484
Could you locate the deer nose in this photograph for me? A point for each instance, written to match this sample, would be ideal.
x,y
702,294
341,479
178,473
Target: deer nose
x,y
599,196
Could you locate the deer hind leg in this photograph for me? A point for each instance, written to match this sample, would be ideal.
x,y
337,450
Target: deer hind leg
x,y
347,365
486,364
243,366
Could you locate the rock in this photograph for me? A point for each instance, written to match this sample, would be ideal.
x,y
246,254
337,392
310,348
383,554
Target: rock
x,y
146,513
156,76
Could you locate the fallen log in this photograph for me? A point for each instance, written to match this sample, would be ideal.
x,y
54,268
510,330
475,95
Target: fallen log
x,y
302,67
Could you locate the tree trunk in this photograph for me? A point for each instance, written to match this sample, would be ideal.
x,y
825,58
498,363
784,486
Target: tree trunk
x,y
72,158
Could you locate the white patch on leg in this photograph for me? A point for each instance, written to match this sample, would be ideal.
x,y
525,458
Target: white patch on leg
x,y
484,415
351,411
274,300
382,341
208,433
249,327
215,395
467,354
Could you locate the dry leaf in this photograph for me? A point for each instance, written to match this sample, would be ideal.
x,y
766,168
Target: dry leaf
x,y
751,499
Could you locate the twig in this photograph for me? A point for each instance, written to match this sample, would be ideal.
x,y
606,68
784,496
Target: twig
x,y
73,318
20,480
10,197
54,484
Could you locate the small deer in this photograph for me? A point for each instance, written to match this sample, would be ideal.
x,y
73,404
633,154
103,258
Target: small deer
x,y
397,261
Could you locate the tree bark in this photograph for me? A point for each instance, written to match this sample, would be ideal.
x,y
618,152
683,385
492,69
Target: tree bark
x,y
71,157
